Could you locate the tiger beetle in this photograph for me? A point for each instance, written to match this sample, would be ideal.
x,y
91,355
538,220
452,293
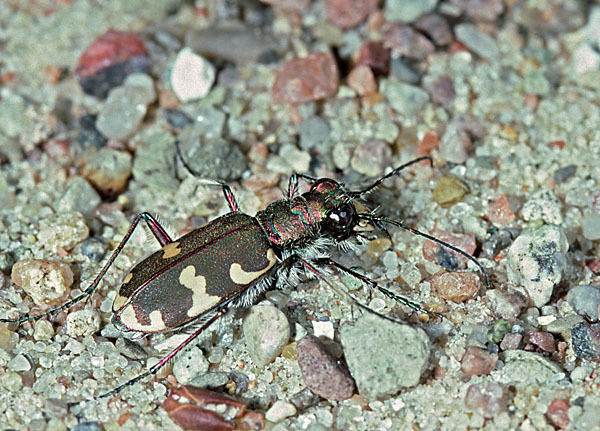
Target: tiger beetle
x,y
228,262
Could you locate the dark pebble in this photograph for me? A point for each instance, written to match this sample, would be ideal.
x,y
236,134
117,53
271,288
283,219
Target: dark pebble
x,y
511,342
108,60
544,340
175,118
322,373
586,341
585,300
408,42
215,157
563,174
375,55
93,248
87,426
436,27
477,362
441,90
86,135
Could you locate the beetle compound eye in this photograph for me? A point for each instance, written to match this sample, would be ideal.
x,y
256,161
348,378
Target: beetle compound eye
x,y
340,220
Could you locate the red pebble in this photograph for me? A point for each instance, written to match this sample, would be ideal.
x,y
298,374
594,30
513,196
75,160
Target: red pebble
x,y
108,60
429,142
374,55
544,340
449,259
408,42
455,286
489,400
348,13
306,79
477,362
499,211
362,80
558,413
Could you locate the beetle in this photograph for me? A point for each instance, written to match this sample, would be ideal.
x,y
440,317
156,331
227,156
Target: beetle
x,y
228,262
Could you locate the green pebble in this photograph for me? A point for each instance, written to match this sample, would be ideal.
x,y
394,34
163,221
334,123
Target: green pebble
x,y
498,330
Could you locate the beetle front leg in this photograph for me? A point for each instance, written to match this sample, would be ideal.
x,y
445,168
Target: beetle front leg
x,y
160,234
373,285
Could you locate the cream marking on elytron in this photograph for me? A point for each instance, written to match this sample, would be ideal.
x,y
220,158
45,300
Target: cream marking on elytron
x,y
171,250
201,301
239,276
130,320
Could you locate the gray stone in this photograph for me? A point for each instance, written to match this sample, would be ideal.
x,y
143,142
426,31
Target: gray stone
x,y
590,226
536,260
585,300
79,196
521,366
383,356
404,98
266,330
407,10
480,43
313,132
154,162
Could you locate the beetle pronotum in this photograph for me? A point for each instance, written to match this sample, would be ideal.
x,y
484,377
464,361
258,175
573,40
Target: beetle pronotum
x,y
230,261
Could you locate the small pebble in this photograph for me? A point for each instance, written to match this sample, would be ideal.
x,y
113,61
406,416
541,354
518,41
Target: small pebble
x,y
449,190
83,322
47,282
306,79
87,426
125,107
375,55
11,381
408,42
214,155
192,76
455,286
79,196
530,368
543,205
108,169
506,304
445,257
498,330
536,260
477,362
429,142
19,363
499,211
486,399
323,329
585,340
5,336
130,349
511,342
43,330
108,60
558,413
348,13
480,10
314,132
441,89
480,43
64,230
436,27
371,157
279,411
321,372
544,340
579,374
406,99
590,225
189,364
362,80
384,357
266,330
585,300
407,10
378,246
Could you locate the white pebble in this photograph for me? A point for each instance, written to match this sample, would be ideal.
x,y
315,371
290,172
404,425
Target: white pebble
x,y
192,76
279,411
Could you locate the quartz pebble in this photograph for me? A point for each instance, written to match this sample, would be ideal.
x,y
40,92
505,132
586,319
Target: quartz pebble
x,y
506,303
499,211
406,99
108,60
83,322
192,76
279,411
266,330
536,260
107,169
455,286
126,107
19,363
486,399
408,42
64,230
525,367
189,364
384,357
306,79
79,196
558,413
585,300
348,13
543,205
511,341
477,362
47,282
362,80
321,372
43,330
480,10
436,27
371,157
590,225
480,43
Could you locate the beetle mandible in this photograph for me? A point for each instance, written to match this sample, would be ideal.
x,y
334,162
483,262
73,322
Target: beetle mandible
x,y
228,262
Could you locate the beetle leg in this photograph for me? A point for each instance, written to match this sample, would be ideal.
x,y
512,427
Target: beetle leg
x,y
164,360
160,234
293,183
373,285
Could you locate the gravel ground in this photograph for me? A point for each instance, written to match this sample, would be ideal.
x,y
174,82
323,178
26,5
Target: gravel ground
x,y
503,95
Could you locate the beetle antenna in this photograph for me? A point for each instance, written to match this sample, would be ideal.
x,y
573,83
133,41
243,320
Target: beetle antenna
x,y
377,221
396,171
